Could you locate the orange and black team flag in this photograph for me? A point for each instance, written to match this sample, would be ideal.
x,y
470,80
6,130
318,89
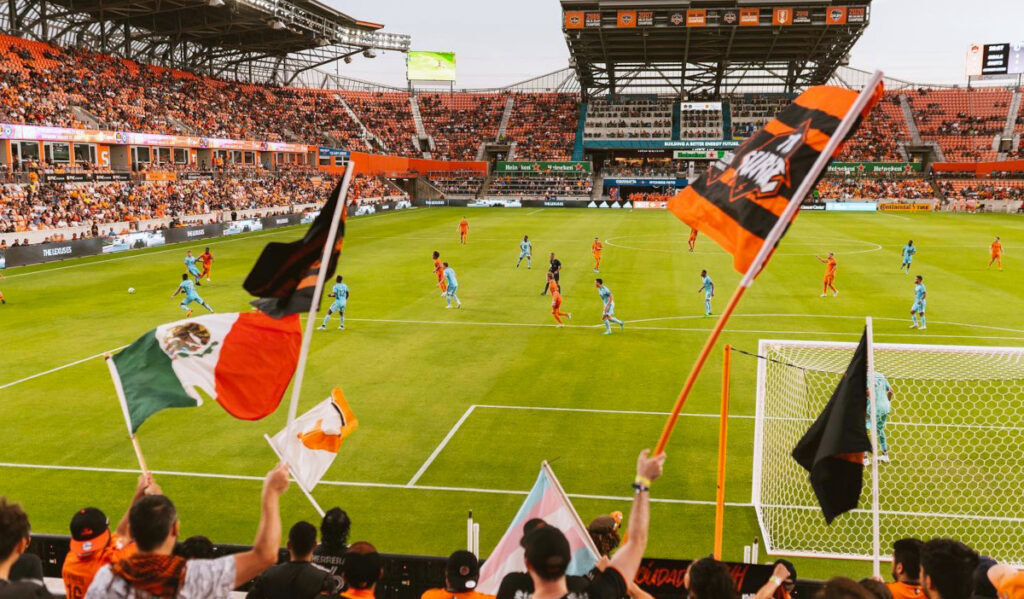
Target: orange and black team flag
x,y
284,276
741,196
832,450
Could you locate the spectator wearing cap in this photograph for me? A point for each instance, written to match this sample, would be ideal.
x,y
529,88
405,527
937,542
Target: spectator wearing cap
x,y
519,585
361,570
947,569
298,578
14,540
334,530
1007,580
548,553
906,568
94,546
461,574
154,572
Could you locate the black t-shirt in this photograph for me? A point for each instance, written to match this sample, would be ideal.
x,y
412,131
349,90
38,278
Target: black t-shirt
x,y
595,585
290,580
27,567
23,590
329,558
556,265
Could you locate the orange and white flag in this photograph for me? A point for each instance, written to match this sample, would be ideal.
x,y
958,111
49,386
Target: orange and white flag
x,y
310,445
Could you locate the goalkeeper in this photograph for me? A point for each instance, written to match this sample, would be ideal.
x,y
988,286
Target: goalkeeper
x,y
883,405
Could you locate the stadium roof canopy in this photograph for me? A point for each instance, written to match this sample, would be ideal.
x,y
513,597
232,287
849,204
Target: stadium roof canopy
x,y
707,48
263,41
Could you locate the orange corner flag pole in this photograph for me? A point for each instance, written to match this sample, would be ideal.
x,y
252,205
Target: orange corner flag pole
x,y
770,241
723,433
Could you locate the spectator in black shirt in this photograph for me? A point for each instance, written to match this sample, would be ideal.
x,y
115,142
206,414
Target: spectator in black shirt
x,y
555,268
14,540
708,578
334,531
298,578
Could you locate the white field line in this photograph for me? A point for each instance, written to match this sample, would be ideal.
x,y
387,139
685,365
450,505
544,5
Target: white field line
x,y
68,365
357,484
535,211
178,246
440,447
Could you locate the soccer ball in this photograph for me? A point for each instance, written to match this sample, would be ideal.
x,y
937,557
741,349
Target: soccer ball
x,y
131,290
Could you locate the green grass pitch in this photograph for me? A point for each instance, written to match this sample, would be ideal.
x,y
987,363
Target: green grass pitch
x,y
412,369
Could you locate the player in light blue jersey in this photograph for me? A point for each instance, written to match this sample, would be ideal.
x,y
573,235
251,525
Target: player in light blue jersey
x,y
883,405
608,315
189,288
190,265
340,294
920,300
453,286
708,287
908,256
525,251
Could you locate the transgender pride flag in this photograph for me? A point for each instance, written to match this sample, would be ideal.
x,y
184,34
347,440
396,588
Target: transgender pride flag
x,y
548,502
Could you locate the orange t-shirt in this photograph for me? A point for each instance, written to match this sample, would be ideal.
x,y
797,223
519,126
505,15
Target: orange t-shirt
x,y
80,569
997,248
206,258
444,594
464,226
693,234
902,590
830,267
553,289
597,247
437,269
1012,588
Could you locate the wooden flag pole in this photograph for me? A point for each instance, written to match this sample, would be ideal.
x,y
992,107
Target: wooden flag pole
x,y
309,496
307,336
723,430
766,251
119,390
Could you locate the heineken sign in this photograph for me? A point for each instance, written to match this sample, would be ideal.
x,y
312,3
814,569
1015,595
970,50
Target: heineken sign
x,y
874,168
698,154
543,167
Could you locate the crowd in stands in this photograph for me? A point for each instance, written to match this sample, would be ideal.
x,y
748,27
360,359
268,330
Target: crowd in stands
x,y
648,170
750,112
629,118
388,116
466,183
872,188
879,137
460,123
369,190
963,122
542,185
30,207
983,189
543,125
700,124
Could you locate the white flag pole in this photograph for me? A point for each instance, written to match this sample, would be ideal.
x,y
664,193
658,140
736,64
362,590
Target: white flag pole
x,y
298,482
589,542
875,526
766,250
307,336
114,376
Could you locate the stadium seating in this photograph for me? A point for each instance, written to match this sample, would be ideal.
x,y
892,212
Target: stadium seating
x,y
700,123
460,122
879,137
464,183
963,121
750,112
543,125
983,189
542,185
627,117
387,115
869,188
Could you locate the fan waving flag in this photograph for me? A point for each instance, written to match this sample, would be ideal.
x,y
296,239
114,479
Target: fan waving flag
x,y
315,438
285,274
741,196
548,502
833,448
244,361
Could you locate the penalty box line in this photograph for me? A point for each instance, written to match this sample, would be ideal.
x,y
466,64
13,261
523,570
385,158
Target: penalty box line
x,y
355,484
465,415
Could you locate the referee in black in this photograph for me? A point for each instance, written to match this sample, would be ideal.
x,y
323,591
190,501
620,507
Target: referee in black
x,y
555,268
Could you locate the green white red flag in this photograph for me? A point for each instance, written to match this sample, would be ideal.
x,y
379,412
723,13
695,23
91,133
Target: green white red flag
x,y
243,361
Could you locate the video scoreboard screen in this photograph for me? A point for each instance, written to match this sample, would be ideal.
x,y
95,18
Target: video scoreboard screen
x,y
995,60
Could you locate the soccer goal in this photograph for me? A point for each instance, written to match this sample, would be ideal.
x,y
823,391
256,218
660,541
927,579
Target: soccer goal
x,y
956,445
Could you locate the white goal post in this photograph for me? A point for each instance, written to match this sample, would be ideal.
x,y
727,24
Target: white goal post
x,y
956,445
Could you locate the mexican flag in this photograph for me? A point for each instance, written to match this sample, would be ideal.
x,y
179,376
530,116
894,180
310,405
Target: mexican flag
x,y
244,361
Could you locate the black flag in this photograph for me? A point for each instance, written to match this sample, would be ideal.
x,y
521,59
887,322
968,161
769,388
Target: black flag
x,y
284,276
833,448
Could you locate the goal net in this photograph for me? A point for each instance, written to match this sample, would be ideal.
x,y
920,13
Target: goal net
x,y
956,444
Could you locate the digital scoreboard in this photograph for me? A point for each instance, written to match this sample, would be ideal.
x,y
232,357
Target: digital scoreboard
x,y
995,60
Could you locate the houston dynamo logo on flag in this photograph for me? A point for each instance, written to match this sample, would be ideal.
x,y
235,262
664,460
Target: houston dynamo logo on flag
x,y
548,502
312,442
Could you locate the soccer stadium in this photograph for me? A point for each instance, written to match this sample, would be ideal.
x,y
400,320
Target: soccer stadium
x,y
772,347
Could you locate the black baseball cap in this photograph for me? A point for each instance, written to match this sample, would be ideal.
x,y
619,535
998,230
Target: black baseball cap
x,y
90,530
462,571
548,552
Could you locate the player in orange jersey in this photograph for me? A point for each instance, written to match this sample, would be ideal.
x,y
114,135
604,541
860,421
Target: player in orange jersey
x,y
556,300
2,300
830,274
207,259
595,248
439,272
996,250
463,230
692,241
